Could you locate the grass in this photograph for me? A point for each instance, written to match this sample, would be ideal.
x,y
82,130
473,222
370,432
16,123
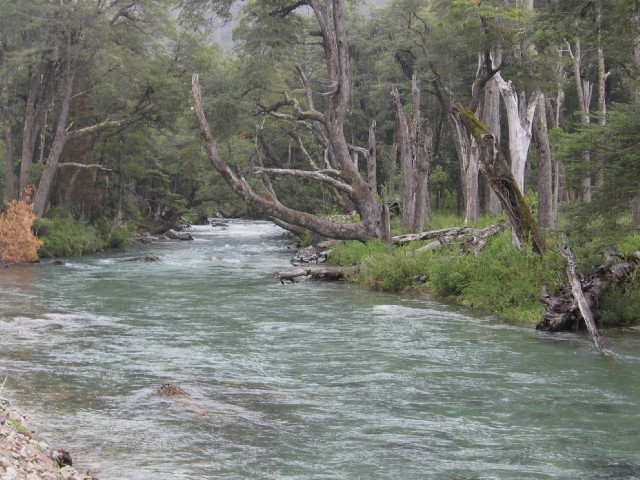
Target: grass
x,y
501,280
67,237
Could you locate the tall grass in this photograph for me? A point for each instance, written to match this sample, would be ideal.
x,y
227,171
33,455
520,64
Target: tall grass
x,y
501,280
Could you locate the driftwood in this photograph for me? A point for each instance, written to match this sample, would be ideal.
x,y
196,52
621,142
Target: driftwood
x,y
578,294
576,301
314,271
452,236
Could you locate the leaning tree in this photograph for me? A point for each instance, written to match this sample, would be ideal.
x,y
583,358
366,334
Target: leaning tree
x,y
339,166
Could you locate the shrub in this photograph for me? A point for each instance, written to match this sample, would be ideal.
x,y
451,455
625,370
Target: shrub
x,y
17,243
66,237
621,304
119,238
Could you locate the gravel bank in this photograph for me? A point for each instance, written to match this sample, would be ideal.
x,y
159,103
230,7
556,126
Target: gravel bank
x,y
24,456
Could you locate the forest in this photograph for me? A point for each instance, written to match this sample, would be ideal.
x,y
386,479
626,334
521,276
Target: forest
x,y
337,119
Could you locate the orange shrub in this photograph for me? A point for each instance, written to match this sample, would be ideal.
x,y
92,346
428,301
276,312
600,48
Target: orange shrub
x,y
17,243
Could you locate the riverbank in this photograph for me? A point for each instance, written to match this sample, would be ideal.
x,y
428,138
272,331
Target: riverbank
x,y
25,456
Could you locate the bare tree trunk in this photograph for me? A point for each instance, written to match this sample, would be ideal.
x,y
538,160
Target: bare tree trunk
x,y
407,164
51,166
635,212
559,189
471,175
372,159
491,118
416,147
584,89
546,217
520,121
8,140
423,202
393,167
494,165
578,294
602,83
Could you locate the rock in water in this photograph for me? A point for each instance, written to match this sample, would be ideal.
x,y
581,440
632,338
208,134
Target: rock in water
x,y
308,255
61,457
175,235
170,390
144,258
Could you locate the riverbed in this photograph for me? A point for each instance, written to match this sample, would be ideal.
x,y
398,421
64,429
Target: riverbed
x,y
300,381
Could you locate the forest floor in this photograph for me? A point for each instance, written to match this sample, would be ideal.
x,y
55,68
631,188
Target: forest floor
x,y
25,456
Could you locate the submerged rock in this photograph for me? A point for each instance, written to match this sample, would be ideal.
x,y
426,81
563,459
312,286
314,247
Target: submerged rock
x,y
144,258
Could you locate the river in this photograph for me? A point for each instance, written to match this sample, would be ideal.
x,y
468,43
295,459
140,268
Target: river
x,y
300,381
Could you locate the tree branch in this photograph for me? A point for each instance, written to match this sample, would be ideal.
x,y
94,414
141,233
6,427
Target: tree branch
x,y
320,175
83,165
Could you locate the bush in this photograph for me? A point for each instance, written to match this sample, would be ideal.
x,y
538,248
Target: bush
x,y
66,237
17,243
620,305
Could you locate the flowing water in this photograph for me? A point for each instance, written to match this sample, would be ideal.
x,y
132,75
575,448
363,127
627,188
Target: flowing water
x,y
300,381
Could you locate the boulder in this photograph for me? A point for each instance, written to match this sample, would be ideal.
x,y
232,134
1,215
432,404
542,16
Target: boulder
x,y
175,235
308,254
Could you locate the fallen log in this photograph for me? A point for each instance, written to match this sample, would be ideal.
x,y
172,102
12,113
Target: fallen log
x,y
452,236
575,302
578,294
314,271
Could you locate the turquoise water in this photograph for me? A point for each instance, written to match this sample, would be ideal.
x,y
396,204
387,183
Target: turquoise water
x,y
300,381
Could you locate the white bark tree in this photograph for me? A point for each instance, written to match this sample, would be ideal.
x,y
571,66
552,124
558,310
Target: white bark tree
x,y
584,89
520,116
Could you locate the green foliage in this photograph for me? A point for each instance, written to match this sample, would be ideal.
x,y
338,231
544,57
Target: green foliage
x,y
119,238
354,252
501,280
620,305
66,237
615,149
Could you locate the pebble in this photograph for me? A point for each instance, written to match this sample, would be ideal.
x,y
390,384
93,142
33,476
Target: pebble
x,y
9,474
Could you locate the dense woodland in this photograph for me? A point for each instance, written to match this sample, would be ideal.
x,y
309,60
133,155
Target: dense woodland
x,y
126,114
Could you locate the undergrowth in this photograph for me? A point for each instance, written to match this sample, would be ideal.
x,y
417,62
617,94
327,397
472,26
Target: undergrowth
x,y
67,237
501,280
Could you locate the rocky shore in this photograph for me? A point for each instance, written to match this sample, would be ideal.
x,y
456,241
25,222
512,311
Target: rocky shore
x,y
24,456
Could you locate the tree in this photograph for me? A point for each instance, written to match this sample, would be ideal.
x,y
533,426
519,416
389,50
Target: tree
x,y
328,125
53,62
416,146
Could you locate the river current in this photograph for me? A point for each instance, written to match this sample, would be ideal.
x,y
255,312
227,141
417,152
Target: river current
x,y
300,381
